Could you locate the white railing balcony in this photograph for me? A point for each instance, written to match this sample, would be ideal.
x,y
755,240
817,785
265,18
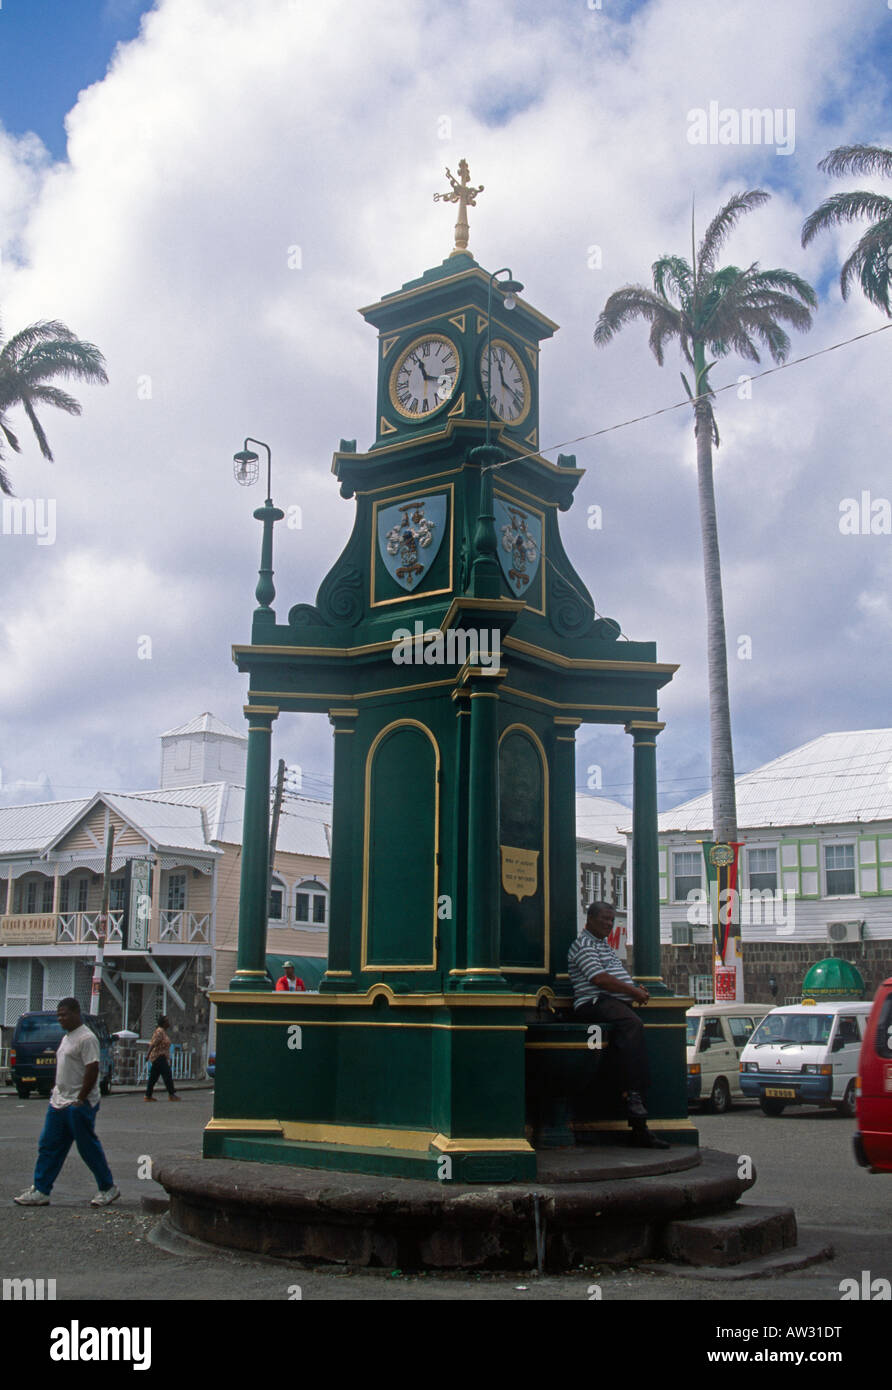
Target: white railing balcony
x,y
82,928
184,927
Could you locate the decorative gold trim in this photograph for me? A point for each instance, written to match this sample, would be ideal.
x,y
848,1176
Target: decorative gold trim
x,y
541,501
565,704
575,663
363,1136
260,709
482,321
533,355
645,724
280,999
414,417
476,1146
381,1023
365,964
423,482
459,407
458,321
345,713
245,1126
324,696
385,427
387,344
527,732
532,438
449,489
472,273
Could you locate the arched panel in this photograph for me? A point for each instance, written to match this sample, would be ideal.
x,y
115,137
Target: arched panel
x,y
401,843
523,850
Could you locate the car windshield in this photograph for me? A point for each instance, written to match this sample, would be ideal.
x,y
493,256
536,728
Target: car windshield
x,y
39,1030
793,1028
693,1025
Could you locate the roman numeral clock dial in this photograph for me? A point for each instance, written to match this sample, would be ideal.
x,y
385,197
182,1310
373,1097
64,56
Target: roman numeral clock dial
x,y
424,377
505,381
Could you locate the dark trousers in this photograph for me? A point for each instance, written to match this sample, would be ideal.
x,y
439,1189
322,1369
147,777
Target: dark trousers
x,y
75,1124
627,1037
160,1067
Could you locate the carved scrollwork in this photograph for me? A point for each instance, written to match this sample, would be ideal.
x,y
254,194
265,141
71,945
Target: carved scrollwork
x,y
568,613
340,598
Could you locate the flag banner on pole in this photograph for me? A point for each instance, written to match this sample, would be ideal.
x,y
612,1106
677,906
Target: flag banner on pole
x,y
721,863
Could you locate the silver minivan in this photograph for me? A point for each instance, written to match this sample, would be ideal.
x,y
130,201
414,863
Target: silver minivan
x,y
716,1036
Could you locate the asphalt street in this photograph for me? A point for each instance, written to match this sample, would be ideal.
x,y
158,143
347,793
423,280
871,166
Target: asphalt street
x,y
803,1158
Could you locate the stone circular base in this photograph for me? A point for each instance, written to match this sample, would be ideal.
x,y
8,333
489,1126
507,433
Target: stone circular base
x,y
591,1207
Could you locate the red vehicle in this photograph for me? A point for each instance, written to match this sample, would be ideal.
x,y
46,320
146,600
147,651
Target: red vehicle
x,y
873,1140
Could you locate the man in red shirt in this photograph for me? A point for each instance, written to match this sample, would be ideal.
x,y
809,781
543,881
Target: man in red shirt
x,y
289,980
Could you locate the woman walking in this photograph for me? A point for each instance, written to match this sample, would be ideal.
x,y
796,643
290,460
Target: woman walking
x,y
159,1059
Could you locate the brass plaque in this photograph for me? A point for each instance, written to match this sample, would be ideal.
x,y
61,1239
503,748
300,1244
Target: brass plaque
x,y
520,872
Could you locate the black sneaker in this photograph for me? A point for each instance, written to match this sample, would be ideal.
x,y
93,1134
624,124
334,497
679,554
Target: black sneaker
x,y
643,1138
635,1107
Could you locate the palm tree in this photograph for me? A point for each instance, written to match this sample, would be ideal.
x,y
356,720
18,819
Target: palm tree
x,y
713,312
871,260
29,362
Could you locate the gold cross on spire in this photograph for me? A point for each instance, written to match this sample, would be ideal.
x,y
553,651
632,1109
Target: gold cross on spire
x,y
466,197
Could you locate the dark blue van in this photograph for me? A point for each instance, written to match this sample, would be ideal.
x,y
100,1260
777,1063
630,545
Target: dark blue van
x,y
32,1055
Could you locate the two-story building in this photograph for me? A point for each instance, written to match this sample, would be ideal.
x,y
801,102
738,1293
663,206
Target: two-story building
x,y
815,875
52,861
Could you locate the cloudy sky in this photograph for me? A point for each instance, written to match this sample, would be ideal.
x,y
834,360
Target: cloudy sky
x,y
159,163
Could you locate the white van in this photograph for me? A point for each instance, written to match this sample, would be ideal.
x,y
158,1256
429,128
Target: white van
x,y
805,1054
716,1037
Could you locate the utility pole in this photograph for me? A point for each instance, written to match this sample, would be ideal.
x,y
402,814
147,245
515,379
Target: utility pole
x,y
103,921
274,827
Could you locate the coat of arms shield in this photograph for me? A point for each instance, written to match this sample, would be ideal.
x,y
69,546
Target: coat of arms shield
x,y
409,535
520,543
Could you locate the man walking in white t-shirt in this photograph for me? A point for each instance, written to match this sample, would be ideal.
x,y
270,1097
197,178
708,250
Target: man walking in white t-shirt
x,y
71,1116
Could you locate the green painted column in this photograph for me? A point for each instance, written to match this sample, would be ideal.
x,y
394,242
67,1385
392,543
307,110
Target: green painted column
x,y
344,822
483,968
254,887
564,881
645,854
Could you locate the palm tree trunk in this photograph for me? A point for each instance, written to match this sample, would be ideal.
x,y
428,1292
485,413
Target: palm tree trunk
x,y
724,803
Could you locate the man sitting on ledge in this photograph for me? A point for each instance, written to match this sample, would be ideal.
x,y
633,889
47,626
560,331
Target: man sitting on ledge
x,y
600,984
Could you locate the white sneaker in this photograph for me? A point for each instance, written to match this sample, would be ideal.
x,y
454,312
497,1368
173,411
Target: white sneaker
x,y
102,1199
32,1198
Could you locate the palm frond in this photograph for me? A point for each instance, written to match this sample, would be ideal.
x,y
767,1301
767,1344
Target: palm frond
x,y
858,159
38,429
845,207
675,273
723,223
53,395
627,304
869,263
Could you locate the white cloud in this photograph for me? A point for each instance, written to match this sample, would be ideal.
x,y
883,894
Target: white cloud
x,y
227,134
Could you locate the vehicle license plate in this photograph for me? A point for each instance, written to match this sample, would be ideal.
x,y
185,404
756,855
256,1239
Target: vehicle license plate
x,y
28,1078
782,1092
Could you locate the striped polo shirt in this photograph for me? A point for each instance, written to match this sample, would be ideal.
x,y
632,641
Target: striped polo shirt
x,y
587,957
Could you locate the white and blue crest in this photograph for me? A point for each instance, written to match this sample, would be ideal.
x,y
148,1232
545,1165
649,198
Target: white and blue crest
x,y
409,536
519,533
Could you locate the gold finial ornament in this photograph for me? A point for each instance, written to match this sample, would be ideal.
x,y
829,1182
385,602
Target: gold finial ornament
x,y
466,197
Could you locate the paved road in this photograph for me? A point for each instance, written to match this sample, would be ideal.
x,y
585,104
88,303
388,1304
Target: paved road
x,y
802,1158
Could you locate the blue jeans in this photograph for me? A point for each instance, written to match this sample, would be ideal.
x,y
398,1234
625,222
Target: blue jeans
x,y
76,1124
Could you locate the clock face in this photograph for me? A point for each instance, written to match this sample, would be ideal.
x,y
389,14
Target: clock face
x,y
506,383
424,377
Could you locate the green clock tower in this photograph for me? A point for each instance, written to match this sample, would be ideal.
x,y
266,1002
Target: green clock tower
x,y
455,651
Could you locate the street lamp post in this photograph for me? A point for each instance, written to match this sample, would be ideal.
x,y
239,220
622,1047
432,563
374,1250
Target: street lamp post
x,y
485,569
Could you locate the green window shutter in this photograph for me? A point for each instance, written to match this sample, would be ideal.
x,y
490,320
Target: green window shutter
x,y
868,866
884,848
809,869
788,867
664,875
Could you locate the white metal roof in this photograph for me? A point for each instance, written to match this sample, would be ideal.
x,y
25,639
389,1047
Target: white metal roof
x,y
30,829
835,779
597,818
166,824
206,723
